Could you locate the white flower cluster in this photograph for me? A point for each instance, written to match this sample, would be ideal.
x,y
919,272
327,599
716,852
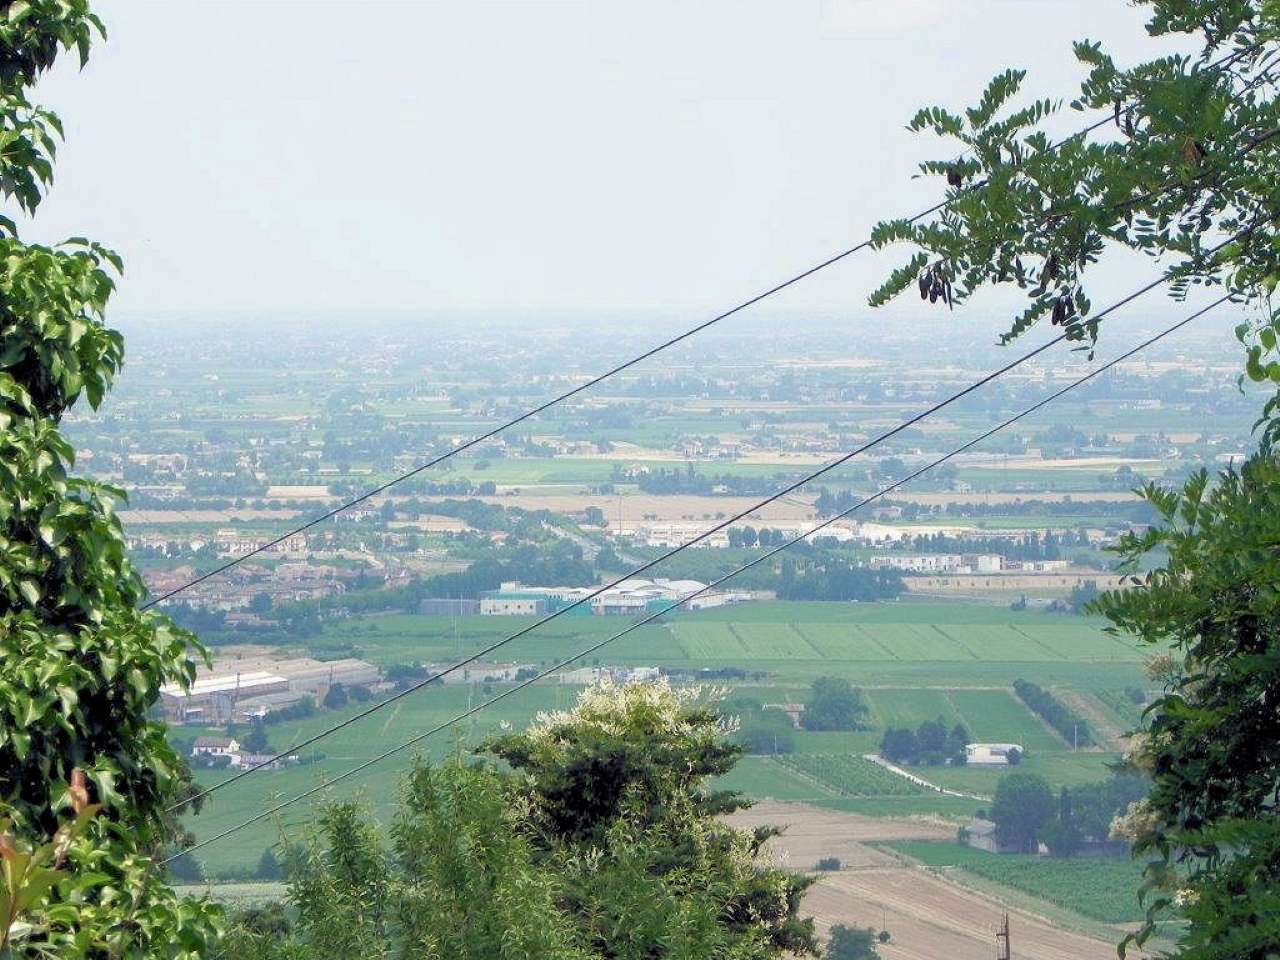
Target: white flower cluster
x,y
1138,821
611,708
1186,897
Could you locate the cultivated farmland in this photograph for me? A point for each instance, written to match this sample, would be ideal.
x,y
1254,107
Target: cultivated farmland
x,y
1101,888
851,776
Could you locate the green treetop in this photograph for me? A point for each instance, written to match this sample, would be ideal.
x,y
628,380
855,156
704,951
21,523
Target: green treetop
x,y
1192,160
80,665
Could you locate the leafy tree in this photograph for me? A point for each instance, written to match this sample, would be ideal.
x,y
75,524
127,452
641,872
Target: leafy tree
x,y
186,869
931,736
1212,746
260,603
1063,835
601,844
851,943
957,741
765,732
835,704
1023,805
335,698
269,866
899,745
80,664
255,741
617,796
1194,160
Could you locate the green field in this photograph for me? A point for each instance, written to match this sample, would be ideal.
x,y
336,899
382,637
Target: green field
x,y
1099,888
915,660
851,776
1063,768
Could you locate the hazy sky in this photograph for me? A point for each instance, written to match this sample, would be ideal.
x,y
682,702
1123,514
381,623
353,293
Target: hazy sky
x,y
536,154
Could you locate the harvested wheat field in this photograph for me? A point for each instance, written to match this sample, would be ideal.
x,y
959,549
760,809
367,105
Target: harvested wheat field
x,y
930,918
811,833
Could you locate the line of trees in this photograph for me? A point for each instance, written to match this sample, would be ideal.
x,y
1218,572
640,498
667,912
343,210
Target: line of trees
x,y
1026,812
1073,728
931,744
591,834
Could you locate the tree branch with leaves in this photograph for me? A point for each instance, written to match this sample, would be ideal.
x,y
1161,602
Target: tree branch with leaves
x,y
80,665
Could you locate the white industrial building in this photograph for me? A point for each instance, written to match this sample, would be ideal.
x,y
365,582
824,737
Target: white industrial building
x,y
632,597
233,688
940,563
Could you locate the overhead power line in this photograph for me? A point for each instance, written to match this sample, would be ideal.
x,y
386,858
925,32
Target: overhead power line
x,y
595,647
1219,64
594,381
1164,278
648,565
721,525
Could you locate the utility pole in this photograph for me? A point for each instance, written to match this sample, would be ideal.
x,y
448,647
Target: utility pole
x,y
1003,949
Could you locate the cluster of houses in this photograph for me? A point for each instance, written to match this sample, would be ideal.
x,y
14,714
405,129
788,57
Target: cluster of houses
x,y
209,750
967,563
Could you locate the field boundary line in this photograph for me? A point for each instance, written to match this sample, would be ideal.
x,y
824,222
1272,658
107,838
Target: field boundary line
x,y
876,641
797,632
744,643
1054,654
957,641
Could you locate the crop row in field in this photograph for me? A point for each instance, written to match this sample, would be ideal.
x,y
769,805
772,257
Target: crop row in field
x,y
1101,888
851,776
775,641
748,640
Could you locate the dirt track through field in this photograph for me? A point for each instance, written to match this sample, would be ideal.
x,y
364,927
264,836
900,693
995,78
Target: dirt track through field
x,y
930,918
812,833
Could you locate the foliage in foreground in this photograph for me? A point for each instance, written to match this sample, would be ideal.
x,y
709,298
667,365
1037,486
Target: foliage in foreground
x,y
600,841
1190,176
80,664
1213,742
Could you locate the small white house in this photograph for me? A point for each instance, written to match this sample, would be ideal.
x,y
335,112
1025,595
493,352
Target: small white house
x,y
990,754
215,747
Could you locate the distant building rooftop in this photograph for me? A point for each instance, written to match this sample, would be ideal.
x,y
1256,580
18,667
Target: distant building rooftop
x,y
228,683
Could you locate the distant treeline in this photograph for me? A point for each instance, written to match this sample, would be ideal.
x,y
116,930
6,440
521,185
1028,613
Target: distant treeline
x,y
829,504
476,513
556,564
1033,546
836,580
461,487
1074,728
930,743
805,572
690,481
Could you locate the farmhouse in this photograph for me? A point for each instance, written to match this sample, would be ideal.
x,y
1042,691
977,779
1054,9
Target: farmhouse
x,y
991,754
981,835
215,747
